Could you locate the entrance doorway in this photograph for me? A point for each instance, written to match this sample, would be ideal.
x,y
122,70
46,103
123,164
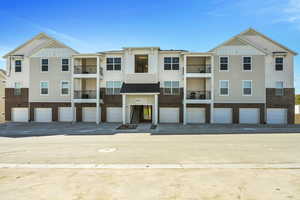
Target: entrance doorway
x,y
141,114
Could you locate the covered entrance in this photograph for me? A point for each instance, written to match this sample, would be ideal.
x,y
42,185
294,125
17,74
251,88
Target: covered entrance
x,y
141,114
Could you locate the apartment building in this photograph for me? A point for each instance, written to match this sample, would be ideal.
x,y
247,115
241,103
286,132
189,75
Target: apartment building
x,y
247,79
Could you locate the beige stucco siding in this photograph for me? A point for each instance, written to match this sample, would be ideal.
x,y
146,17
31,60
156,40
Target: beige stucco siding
x,y
54,76
236,75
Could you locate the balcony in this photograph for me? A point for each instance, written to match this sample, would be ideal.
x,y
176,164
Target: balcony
x,y
85,96
201,96
86,71
199,71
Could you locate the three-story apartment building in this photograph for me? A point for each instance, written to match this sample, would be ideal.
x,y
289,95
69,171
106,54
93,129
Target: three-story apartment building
x,y
247,79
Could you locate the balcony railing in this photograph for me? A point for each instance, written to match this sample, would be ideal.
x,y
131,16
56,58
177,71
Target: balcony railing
x,y
199,95
199,69
85,94
87,69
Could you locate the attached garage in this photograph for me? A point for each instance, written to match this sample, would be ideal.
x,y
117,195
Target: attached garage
x,y
277,116
65,114
195,115
19,114
169,115
89,114
223,115
114,114
249,115
43,115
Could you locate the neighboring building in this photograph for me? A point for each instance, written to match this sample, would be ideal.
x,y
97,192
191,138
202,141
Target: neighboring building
x,y
247,79
2,94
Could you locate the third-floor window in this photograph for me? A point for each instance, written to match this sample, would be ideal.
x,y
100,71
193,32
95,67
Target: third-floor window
x,y
18,66
171,63
279,63
113,64
247,63
141,64
64,65
44,67
224,60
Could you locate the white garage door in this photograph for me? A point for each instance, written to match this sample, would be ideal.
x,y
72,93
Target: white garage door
x,y
195,115
65,114
43,114
114,114
276,116
249,115
169,115
89,114
19,114
223,115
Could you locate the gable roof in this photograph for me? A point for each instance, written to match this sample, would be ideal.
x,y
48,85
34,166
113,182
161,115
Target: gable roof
x,y
251,43
40,35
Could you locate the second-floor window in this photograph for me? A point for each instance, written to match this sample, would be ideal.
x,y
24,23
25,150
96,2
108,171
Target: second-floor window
x,y
65,87
64,65
17,89
113,64
44,88
224,87
18,66
224,63
113,87
279,63
279,91
171,88
247,88
247,63
44,65
171,63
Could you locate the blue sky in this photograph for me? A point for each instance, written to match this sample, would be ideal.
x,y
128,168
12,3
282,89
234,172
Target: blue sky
x,y
196,25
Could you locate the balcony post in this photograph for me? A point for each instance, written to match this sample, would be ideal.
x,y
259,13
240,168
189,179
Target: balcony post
x,y
155,109
124,108
212,91
98,92
72,91
184,88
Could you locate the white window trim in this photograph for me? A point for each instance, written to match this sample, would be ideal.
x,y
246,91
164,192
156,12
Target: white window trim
x,y
21,65
251,63
176,70
172,88
224,95
61,66
113,70
41,64
228,64
283,63
247,95
113,87
41,88
61,94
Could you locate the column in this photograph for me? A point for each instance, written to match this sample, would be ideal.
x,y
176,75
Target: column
x,y
212,91
98,92
72,91
124,108
156,109
184,90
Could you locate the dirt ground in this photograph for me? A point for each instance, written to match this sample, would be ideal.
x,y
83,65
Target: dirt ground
x,y
160,184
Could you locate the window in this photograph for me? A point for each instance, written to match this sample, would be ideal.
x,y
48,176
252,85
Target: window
x,y
247,88
247,63
279,63
171,63
113,87
18,66
171,88
64,65
17,89
279,91
65,87
44,65
141,63
224,87
113,64
44,87
223,63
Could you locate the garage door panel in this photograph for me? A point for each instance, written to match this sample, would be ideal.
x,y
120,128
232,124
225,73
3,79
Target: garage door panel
x,y
65,114
277,116
249,115
195,115
89,114
19,114
114,114
169,115
223,115
43,114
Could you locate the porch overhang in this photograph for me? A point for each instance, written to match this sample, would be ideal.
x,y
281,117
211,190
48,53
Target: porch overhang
x,y
140,88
